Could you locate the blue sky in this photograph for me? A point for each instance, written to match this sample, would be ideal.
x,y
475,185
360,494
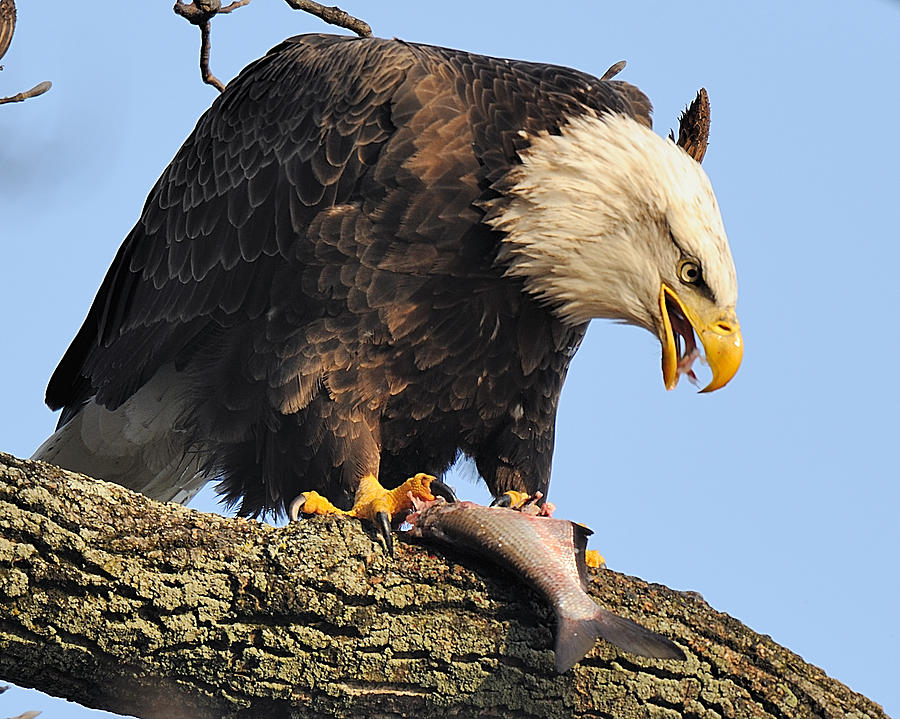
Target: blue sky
x,y
775,498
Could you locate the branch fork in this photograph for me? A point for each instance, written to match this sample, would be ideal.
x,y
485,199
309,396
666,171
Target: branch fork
x,y
201,12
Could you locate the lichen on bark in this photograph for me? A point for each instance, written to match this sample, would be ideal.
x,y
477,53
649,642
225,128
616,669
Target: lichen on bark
x,y
122,603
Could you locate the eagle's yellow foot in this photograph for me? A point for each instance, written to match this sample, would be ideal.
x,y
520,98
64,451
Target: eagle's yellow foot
x,y
312,503
374,503
511,499
524,502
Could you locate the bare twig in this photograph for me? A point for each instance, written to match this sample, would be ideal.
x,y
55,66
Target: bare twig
x,y
333,16
205,72
199,13
7,25
7,28
233,6
24,715
38,89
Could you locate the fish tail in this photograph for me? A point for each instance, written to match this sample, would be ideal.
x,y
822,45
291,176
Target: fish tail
x,y
576,637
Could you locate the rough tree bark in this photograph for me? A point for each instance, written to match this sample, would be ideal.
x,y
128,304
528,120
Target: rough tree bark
x,y
122,603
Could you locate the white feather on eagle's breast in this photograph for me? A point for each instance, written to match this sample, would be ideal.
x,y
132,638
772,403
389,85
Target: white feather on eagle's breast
x,y
370,256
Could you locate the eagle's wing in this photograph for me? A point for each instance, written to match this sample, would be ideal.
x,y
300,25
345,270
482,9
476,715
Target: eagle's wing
x,y
288,138
272,151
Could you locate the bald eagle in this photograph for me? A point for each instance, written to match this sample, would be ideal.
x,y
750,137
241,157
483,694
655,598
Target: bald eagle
x,y
372,256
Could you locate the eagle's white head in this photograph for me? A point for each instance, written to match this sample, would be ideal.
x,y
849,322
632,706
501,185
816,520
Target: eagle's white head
x,y
607,219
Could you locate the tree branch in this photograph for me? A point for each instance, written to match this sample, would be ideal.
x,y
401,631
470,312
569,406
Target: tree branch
x,y
7,25
7,28
201,12
333,16
118,602
205,73
38,89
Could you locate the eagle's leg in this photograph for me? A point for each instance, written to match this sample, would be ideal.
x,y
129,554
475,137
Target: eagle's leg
x,y
372,502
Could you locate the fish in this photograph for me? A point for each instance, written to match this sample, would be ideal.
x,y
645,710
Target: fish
x,y
548,555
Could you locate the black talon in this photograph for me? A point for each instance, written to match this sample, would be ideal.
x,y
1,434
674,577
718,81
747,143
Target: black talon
x,y
383,527
504,500
296,507
439,489
533,499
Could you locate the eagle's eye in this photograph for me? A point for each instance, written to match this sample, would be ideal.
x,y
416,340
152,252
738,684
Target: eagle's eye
x,y
689,272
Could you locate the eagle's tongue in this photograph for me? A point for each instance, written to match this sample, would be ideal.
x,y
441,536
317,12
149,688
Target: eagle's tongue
x,y
687,355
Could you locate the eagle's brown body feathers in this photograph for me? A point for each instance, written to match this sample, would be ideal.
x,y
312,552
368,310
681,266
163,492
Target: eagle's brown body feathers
x,y
313,265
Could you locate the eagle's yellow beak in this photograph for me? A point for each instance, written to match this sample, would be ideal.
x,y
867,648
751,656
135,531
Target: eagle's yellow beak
x,y
719,332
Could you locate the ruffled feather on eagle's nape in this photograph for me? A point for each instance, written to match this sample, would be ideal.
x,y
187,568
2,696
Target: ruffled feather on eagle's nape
x,y
693,127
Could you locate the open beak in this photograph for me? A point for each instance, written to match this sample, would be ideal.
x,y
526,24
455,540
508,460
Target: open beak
x,y
719,332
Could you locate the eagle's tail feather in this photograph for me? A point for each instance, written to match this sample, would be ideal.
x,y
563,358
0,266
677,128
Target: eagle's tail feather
x,y
135,445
